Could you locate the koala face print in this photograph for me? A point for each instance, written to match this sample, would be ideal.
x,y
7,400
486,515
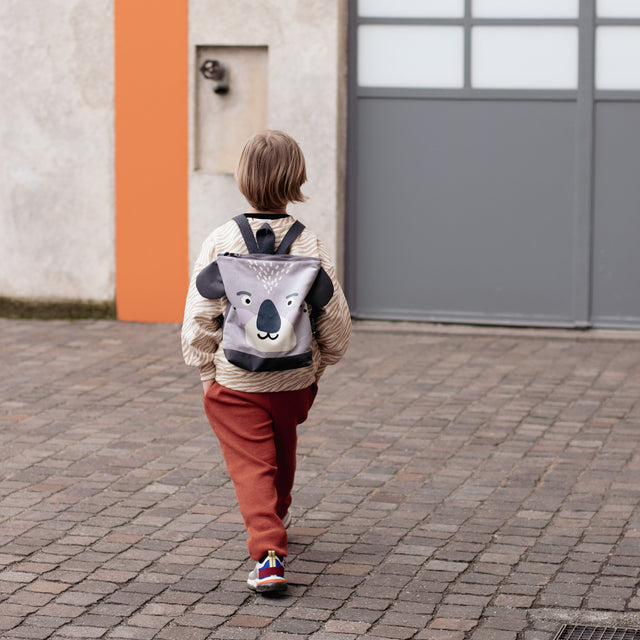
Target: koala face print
x,y
268,327
268,305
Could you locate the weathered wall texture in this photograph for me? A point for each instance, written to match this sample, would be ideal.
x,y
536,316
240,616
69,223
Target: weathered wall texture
x,y
306,85
56,155
57,202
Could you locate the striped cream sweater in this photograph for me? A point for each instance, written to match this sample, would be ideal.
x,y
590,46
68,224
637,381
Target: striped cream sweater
x,y
201,335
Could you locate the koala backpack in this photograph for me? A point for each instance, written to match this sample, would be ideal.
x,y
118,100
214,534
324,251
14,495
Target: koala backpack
x,y
273,298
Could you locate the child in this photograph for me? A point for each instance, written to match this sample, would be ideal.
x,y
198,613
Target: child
x,y
254,414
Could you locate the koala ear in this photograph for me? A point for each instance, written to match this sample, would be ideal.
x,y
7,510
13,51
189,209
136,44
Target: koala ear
x,y
209,282
321,290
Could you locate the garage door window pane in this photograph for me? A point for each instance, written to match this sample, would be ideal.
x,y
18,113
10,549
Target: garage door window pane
x,y
411,8
410,56
618,58
524,58
525,8
618,8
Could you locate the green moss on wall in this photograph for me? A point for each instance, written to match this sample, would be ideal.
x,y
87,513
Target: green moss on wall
x,y
56,309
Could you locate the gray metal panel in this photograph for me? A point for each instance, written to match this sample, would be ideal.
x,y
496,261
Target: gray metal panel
x,y
465,210
616,255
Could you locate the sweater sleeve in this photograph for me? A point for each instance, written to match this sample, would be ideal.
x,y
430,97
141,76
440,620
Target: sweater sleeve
x,y
201,330
333,325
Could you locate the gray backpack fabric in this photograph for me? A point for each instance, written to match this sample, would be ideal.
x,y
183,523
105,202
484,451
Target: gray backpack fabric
x,y
268,325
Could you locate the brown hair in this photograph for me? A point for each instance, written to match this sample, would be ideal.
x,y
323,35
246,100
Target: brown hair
x,y
271,171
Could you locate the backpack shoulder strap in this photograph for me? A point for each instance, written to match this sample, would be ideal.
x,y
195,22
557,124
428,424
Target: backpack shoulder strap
x,y
247,234
294,231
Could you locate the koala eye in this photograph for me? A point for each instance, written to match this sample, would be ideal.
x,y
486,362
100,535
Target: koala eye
x,y
291,299
245,298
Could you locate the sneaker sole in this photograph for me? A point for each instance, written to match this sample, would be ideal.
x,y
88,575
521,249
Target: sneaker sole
x,y
275,586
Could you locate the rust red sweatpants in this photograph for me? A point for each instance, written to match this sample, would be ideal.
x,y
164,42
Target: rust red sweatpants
x,y
258,437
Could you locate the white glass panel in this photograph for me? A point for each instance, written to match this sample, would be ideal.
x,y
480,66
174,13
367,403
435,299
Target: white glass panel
x,y
410,56
618,8
525,8
524,58
618,58
411,8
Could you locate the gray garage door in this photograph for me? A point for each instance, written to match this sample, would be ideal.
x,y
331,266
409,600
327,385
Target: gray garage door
x,y
494,161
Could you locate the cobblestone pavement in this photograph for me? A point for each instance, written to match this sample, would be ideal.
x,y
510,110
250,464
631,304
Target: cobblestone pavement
x,y
453,484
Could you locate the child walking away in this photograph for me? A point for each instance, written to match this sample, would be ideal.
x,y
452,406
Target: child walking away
x,y
265,315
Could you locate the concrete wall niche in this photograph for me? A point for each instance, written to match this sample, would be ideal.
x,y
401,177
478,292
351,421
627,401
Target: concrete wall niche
x,y
224,121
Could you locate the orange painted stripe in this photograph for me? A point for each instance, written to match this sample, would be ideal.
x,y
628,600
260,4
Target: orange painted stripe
x,y
151,159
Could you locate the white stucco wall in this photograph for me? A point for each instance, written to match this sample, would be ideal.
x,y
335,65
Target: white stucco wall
x,y
56,151
57,209
306,82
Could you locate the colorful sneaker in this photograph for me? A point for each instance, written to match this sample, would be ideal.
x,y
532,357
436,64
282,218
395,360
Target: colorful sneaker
x,y
286,521
268,575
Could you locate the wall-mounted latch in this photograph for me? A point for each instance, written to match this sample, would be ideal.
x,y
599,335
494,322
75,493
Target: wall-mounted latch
x,y
216,71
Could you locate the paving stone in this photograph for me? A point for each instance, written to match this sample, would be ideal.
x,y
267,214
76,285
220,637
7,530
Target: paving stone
x,y
358,615
125,632
303,628
9,622
344,627
438,634
392,633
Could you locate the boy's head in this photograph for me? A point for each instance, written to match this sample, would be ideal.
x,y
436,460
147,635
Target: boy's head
x,y
271,171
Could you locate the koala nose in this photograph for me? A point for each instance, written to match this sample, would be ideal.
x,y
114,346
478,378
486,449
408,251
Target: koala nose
x,y
268,318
